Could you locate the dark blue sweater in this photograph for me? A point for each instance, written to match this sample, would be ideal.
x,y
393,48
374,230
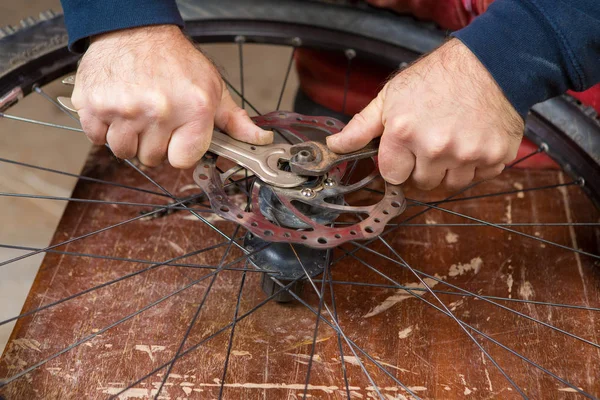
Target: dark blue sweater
x,y
535,49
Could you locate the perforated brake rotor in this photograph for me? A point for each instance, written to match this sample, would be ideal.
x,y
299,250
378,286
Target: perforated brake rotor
x,y
322,195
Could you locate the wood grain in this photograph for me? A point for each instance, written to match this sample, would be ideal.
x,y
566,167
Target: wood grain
x,y
425,350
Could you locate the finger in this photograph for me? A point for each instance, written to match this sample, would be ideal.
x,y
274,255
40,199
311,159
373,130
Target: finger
x,y
427,175
235,121
396,162
189,142
459,178
362,128
122,137
94,128
153,145
482,174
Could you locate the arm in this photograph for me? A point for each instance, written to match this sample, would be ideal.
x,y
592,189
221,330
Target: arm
x,y
86,18
537,49
456,115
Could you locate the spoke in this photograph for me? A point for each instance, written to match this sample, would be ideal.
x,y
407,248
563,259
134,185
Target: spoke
x,y
206,339
240,42
232,333
318,314
145,175
128,162
351,344
484,298
430,207
287,72
68,113
350,54
42,123
335,317
527,360
197,314
237,92
135,260
388,286
505,224
481,196
469,334
472,185
32,253
130,275
82,177
510,230
316,331
351,173
101,331
108,202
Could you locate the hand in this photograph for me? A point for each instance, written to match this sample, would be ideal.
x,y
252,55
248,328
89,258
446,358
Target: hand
x,y
442,120
148,92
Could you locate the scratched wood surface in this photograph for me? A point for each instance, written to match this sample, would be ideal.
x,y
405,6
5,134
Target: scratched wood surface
x,y
425,350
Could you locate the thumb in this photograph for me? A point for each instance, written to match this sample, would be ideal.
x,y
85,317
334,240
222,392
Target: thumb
x,y
362,128
396,162
235,121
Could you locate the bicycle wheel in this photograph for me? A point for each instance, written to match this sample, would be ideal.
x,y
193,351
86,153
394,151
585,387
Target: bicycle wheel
x,y
443,304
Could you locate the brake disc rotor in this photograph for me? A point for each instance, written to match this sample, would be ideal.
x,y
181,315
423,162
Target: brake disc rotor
x,y
303,214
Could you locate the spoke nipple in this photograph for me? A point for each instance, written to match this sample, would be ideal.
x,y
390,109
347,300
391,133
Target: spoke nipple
x,y
544,147
307,192
350,54
296,42
580,181
240,39
329,182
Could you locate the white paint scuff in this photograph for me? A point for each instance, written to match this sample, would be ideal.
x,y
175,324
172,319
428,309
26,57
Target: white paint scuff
x,y
526,290
461,269
404,333
149,349
519,186
451,237
401,295
509,284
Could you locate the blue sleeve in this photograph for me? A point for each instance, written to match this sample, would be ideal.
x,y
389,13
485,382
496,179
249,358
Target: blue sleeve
x,y
537,49
85,18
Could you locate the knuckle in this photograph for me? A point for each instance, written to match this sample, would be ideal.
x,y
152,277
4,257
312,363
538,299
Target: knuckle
x,y
397,126
200,101
157,107
437,147
496,154
468,154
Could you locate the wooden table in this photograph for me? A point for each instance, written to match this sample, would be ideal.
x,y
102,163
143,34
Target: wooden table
x,y
419,346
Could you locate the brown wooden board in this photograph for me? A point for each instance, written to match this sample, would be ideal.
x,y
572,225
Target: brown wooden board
x,y
423,349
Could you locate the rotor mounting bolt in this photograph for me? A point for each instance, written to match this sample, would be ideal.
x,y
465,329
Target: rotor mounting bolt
x,y
329,182
307,192
303,157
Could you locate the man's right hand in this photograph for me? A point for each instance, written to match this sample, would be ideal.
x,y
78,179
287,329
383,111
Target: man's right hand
x,y
148,92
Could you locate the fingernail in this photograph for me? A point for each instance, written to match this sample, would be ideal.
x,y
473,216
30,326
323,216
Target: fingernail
x,y
332,140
